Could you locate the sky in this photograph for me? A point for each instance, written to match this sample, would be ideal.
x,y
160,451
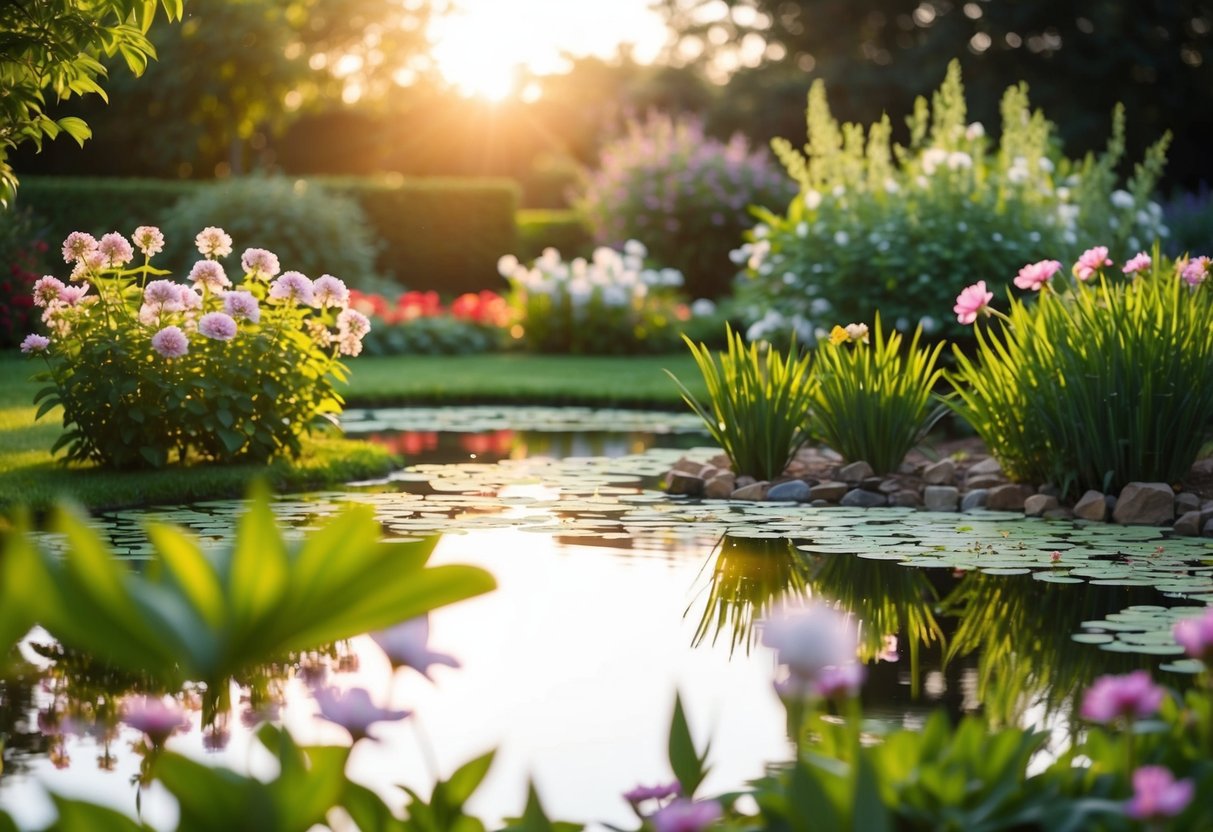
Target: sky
x,y
482,48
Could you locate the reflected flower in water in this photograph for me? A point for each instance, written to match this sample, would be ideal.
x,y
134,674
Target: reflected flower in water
x,y
889,653
406,646
841,682
1132,695
809,639
353,710
157,718
684,815
1195,636
1157,795
643,793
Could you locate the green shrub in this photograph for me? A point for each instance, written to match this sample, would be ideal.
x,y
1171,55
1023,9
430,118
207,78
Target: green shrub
x,y
99,206
314,230
565,231
879,226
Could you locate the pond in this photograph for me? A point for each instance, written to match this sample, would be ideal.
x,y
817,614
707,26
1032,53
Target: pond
x,y
613,596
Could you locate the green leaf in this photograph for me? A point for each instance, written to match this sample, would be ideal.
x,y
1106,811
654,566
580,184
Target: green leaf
x,y
195,576
687,763
258,572
78,815
871,815
76,128
46,407
467,778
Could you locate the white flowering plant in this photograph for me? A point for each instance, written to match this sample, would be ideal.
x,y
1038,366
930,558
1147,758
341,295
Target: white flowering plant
x,y
149,370
609,304
881,226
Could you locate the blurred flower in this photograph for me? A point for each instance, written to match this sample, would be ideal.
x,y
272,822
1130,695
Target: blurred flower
x,y
971,300
292,287
1195,636
157,718
210,275
47,289
840,681
77,245
1132,695
1195,271
1137,263
683,815
1035,275
217,325
171,342
643,793
808,639
1157,795
1091,261
329,291
242,305
34,343
406,646
353,710
258,262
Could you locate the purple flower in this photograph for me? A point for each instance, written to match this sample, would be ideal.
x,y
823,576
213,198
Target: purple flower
x,y
1195,635
149,239
47,290
839,682
217,325
1157,795
155,717
171,342
258,262
242,305
116,250
163,295
684,815
1195,271
77,245
353,710
1133,695
292,287
352,323
329,291
405,646
35,343
643,793
213,242
209,274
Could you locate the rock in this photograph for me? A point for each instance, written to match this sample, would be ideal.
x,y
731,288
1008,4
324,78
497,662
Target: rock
x,y
855,472
745,479
720,487
829,455
689,485
708,471
1145,503
1038,504
820,503
974,499
889,486
871,483
687,466
794,490
1188,524
831,490
752,492
722,462
1207,529
985,481
989,465
1049,490
860,498
941,497
1186,501
911,469
1008,497
941,473
905,498
1059,513
1092,506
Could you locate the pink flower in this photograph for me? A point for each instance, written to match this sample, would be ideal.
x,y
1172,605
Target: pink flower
x,y
292,287
213,242
171,342
77,245
242,305
643,793
90,263
155,717
970,301
35,343
405,646
809,639
349,345
116,250
210,275
258,262
352,323
1195,271
149,239
329,291
1035,275
1121,697
189,299
47,289
1157,795
72,295
217,325
1091,261
684,815
163,295
353,710
839,682
1195,635
1137,263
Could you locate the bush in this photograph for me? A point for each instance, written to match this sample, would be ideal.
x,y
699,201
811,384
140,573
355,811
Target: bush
x,y
98,206
1107,382
565,231
315,230
418,324
23,259
144,369
878,226
683,194
1189,216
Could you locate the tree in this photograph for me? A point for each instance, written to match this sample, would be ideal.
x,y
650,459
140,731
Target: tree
x,y
57,45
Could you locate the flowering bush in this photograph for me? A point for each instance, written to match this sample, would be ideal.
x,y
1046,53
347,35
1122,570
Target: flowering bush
x,y
609,304
1102,381
147,367
22,258
683,194
418,323
879,226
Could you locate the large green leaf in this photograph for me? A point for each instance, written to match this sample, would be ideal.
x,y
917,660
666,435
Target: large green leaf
x,y
688,764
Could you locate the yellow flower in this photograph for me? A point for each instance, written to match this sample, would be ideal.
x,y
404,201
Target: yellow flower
x,y
838,335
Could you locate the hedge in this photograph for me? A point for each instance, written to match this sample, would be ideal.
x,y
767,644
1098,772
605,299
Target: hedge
x,y
565,231
97,205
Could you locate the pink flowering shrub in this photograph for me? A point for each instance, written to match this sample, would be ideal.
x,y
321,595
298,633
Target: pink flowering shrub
x,y
237,363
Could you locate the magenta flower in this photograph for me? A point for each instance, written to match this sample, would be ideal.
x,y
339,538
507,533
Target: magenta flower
x,y
242,305
292,287
77,245
149,239
839,682
34,343
1195,636
353,710
1195,271
213,242
330,291
209,274
684,815
116,250
47,290
72,295
970,301
1138,262
809,639
1091,261
1157,795
643,793
258,262
217,325
171,342
1133,695
405,646
155,717
1035,275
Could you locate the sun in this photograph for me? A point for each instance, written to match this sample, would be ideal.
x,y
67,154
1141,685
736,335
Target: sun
x,y
479,54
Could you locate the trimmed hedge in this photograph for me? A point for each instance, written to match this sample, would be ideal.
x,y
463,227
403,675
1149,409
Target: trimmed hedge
x,y
97,205
566,231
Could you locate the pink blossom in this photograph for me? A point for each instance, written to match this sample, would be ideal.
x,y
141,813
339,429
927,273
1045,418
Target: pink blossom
x,y
257,262
155,717
1035,275
189,299
643,793
210,275
292,287
683,815
163,294
1091,261
171,342
217,325
1121,697
1195,636
809,639
1195,271
242,305
329,291
149,239
352,323
35,343
90,263
1157,795
839,682
970,301
405,646
349,345
353,710
72,295
116,250
213,242
47,289
77,245
1138,262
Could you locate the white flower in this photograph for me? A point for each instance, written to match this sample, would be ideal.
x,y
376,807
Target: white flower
x,y
891,186
702,306
635,248
1046,164
975,131
740,255
932,158
838,191
802,230
820,307
812,199
841,238
959,160
1122,199
809,639
507,266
